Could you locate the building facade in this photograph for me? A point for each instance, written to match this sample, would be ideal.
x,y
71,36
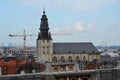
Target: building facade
x,y
47,51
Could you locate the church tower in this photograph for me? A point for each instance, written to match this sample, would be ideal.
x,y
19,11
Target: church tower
x,y
44,41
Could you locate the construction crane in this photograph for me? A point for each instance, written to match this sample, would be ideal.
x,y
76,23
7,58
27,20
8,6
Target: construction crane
x,y
24,35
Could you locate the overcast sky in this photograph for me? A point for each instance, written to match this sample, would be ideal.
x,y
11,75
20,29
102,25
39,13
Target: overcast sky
x,y
96,21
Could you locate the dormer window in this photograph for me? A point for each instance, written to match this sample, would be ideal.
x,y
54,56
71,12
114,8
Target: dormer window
x,y
83,51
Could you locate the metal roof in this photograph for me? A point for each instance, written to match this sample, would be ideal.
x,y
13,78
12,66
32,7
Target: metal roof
x,y
83,47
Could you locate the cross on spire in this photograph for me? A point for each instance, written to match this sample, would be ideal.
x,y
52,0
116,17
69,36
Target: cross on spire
x,y
43,10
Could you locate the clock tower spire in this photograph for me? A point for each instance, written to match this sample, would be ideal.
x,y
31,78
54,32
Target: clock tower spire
x,y
44,28
44,41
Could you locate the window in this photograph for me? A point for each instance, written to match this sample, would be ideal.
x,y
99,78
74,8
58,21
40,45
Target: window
x,y
54,52
62,59
62,68
43,48
70,59
83,51
47,40
55,68
43,40
70,67
93,51
77,59
84,58
54,59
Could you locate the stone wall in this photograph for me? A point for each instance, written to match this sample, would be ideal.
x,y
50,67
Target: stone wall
x,y
108,74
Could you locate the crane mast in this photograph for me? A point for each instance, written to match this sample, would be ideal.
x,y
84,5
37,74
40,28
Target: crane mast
x,y
25,49
24,35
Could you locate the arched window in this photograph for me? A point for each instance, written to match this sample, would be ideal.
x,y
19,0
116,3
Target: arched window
x,y
77,59
62,59
84,58
70,67
54,59
62,68
70,59
55,68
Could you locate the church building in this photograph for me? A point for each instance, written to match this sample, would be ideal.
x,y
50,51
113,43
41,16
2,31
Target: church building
x,y
48,51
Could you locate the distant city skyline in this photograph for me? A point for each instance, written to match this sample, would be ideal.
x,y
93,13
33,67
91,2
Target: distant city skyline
x,y
96,21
